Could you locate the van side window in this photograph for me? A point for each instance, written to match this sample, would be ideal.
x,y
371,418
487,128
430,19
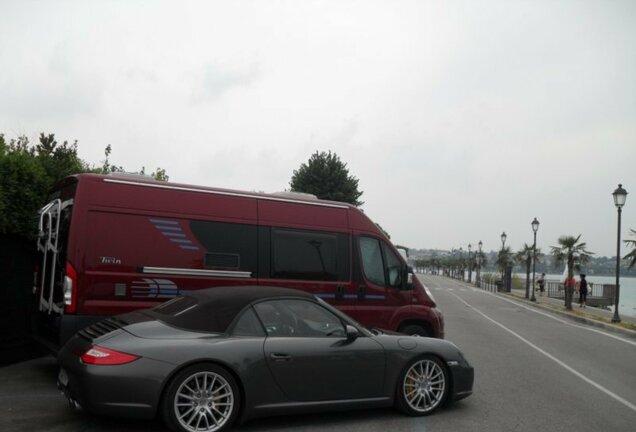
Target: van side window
x,y
372,264
229,246
309,255
393,267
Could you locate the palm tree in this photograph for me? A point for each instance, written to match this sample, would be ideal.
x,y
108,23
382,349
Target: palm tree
x,y
480,262
632,255
504,260
524,256
574,254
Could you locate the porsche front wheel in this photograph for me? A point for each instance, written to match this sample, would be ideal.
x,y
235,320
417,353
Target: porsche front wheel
x,y
423,386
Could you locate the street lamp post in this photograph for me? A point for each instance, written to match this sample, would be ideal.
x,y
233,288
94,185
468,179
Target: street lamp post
x,y
480,244
503,246
461,262
620,195
470,265
535,228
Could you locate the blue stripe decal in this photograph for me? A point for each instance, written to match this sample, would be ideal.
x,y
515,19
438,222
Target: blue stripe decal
x,y
163,221
189,247
172,234
353,296
168,228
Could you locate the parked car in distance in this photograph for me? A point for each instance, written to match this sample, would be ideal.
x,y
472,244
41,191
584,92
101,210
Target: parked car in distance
x,y
208,358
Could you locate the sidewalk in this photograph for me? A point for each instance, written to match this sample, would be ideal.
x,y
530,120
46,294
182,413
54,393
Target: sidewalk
x,y
590,315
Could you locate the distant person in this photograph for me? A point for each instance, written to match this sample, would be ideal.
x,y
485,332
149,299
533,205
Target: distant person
x,y
541,282
582,291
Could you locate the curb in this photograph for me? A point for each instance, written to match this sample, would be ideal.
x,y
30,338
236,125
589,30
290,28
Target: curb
x,y
579,319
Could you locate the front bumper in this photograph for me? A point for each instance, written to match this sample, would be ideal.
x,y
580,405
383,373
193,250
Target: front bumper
x,y
463,379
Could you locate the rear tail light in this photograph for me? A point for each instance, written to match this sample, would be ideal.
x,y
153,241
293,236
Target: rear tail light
x,y
70,289
97,355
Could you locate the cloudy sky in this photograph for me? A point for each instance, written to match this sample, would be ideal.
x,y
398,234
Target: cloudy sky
x,y
461,119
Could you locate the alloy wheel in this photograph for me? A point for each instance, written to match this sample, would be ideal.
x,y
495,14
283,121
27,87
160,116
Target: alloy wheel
x,y
424,386
204,402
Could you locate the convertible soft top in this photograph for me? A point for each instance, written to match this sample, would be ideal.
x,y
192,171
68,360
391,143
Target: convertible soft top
x,y
214,309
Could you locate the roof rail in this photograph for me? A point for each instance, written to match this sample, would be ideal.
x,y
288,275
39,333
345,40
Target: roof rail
x,y
131,175
289,194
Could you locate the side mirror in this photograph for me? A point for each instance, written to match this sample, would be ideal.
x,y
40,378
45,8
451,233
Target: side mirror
x,y
407,279
352,332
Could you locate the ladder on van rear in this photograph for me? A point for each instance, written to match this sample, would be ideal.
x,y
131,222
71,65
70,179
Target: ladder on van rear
x,y
48,245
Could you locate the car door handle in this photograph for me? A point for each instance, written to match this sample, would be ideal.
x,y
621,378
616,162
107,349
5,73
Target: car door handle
x,y
280,357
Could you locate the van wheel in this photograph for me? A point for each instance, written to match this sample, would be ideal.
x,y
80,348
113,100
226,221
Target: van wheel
x,y
201,398
414,330
423,386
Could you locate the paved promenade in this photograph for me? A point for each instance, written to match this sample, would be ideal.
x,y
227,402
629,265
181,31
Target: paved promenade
x,y
590,315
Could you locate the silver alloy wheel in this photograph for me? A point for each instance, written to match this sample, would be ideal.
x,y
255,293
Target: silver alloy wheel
x,y
203,402
424,385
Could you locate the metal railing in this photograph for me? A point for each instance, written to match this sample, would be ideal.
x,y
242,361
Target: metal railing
x,y
598,294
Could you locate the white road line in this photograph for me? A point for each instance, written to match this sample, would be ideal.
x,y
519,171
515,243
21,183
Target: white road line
x,y
566,322
552,316
551,357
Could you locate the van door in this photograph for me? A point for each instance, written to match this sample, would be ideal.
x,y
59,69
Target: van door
x,y
318,262
379,283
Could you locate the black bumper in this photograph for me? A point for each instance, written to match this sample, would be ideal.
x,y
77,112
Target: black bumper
x,y
463,378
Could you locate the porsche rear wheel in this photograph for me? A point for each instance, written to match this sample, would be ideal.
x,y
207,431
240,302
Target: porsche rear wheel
x,y
201,398
423,386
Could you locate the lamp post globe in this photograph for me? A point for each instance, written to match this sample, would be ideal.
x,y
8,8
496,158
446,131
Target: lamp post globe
x,y
620,196
535,228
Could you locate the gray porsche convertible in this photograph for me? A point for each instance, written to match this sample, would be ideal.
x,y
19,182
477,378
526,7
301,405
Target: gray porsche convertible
x,y
209,358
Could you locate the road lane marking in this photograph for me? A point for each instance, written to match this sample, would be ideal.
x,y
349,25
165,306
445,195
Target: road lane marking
x,y
608,392
552,316
584,327
567,322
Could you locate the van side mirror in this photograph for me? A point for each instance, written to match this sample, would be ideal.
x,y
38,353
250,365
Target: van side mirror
x,y
407,279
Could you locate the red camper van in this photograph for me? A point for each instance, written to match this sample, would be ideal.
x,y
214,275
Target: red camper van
x,y
113,244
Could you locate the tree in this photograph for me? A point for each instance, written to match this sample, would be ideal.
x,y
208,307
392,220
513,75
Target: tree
x,y
574,254
327,177
27,173
504,260
524,256
632,255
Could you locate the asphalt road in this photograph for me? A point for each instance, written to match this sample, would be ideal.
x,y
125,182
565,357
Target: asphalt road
x,y
534,372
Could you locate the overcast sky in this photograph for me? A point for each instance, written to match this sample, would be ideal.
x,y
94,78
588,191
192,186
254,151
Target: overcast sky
x,y
461,119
